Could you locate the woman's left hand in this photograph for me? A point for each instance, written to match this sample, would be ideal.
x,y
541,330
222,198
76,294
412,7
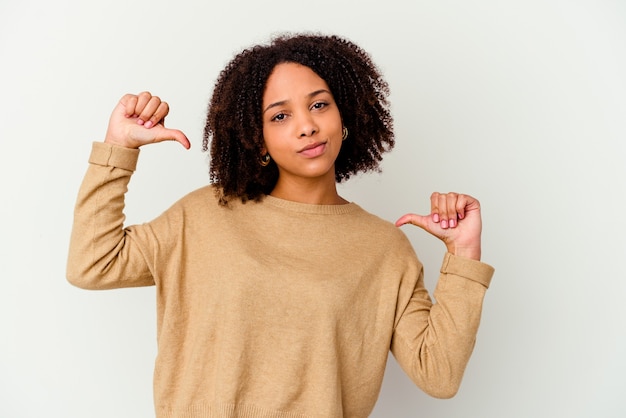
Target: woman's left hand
x,y
455,219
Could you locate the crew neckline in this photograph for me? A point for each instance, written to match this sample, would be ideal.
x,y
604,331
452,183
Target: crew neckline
x,y
311,208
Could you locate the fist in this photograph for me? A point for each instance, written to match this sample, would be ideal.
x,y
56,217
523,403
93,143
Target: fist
x,y
140,119
455,219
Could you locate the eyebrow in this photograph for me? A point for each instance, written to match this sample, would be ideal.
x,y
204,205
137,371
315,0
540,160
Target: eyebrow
x,y
282,102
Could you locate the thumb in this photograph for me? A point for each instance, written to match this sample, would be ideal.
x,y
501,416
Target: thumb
x,y
165,134
412,218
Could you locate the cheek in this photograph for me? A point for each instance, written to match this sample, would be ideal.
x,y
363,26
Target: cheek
x,y
269,135
274,139
339,143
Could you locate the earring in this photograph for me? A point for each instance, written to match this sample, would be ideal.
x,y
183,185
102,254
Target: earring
x,y
265,160
344,133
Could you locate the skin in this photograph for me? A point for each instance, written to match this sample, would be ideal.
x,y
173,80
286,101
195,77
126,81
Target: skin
x,y
302,130
139,120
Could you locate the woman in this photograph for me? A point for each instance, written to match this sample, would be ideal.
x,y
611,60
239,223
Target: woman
x,y
276,297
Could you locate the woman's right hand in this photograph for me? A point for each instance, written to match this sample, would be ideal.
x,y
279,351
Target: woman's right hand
x,y
138,119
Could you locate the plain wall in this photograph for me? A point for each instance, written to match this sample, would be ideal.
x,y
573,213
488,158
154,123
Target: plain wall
x,y
519,103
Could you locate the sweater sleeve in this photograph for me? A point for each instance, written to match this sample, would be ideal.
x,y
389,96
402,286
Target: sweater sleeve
x,y
433,342
102,253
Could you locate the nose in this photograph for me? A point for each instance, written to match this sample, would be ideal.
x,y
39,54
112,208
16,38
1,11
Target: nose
x,y
307,125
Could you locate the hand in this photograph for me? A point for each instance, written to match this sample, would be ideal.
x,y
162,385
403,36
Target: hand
x,y
140,119
455,219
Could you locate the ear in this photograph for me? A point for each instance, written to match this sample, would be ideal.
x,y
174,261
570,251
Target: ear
x,y
263,146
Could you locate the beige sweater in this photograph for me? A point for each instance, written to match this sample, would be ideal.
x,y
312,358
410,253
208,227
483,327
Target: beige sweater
x,y
275,309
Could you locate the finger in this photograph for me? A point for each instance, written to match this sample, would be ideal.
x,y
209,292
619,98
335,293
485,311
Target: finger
x,y
461,204
163,134
444,213
434,206
149,109
129,101
158,116
444,209
412,218
143,99
451,209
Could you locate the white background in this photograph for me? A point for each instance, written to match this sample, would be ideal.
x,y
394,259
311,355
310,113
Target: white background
x,y
520,103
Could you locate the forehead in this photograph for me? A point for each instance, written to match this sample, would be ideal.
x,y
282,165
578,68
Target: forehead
x,y
290,80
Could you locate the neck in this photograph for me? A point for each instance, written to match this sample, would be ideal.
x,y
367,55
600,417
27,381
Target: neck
x,y
312,193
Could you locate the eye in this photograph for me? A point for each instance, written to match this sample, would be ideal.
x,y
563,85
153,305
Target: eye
x,y
278,117
319,105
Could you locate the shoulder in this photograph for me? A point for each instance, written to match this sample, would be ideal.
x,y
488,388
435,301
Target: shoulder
x,y
375,221
205,197
197,204
385,232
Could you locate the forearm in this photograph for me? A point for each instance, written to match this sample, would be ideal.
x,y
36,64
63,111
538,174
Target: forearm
x,y
99,252
434,342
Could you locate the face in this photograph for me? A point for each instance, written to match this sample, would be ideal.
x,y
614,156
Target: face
x,y
301,124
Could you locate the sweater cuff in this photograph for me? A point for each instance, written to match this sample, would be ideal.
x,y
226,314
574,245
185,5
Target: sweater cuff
x,y
114,156
469,269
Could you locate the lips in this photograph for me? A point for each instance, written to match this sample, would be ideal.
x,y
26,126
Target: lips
x,y
313,150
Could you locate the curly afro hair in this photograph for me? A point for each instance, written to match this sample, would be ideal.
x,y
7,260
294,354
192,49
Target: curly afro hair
x,y
234,126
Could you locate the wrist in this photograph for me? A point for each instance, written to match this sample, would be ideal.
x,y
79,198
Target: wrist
x,y
112,141
473,253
